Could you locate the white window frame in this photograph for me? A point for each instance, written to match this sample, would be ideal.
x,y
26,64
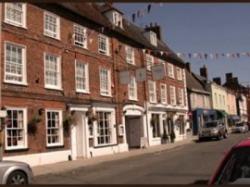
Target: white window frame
x,y
171,70
163,89
50,33
117,17
149,61
172,97
153,38
15,23
59,73
102,91
179,74
24,64
25,145
152,92
83,30
102,51
61,138
130,58
132,86
86,72
181,96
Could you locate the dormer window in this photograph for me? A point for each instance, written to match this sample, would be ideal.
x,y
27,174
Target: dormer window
x,y
117,19
153,38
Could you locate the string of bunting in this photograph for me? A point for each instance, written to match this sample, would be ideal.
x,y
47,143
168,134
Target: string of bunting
x,y
213,56
142,12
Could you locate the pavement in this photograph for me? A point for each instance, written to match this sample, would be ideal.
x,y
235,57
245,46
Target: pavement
x,y
75,164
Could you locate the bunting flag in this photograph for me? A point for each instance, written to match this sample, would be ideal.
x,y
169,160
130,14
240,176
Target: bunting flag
x,y
212,56
149,8
133,17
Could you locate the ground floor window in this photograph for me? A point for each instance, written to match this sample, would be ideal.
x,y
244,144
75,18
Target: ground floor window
x,y
104,130
15,130
181,124
155,124
54,128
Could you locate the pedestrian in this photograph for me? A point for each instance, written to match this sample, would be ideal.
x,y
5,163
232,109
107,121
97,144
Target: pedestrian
x,y
172,136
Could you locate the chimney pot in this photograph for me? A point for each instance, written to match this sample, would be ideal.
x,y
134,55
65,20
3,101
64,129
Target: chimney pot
x,y
188,66
204,72
217,80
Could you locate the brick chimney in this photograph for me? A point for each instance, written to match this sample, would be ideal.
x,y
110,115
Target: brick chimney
x,y
156,29
188,66
229,77
217,80
203,72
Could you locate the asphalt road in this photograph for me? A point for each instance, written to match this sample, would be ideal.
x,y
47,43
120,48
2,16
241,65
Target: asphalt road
x,y
188,164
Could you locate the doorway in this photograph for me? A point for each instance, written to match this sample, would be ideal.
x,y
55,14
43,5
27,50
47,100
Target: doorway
x,y
81,143
134,131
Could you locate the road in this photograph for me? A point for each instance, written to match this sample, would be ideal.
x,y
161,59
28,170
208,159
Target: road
x,y
187,164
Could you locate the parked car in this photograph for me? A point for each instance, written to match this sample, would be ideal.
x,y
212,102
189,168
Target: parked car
x,y
235,166
241,127
12,172
213,129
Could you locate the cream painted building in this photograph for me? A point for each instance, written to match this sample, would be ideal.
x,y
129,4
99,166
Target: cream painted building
x,y
219,97
231,103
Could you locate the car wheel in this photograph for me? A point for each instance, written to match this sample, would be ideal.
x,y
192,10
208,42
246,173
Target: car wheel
x,y
219,137
17,177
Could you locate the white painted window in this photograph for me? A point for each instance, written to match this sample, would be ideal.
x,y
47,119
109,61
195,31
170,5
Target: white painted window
x,y
117,17
15,64
132,89
105,82
180,96
104,128
80,36
179,74
103,44
155,124
163,93
153,38
172,95
54,128
152,91
52,71
16,129
171,70
51,25
149,61
130,55
82,77
15,14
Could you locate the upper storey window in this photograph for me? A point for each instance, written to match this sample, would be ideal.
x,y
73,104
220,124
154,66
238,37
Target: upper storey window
x,y
15,14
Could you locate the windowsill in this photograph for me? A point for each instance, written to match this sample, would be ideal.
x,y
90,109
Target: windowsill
x,y
16,83
104,95
133,99
16,149
152,102
58,39
83,91
103,54
171,77
80,47
15,24
104,145
54,146
53,88
156,138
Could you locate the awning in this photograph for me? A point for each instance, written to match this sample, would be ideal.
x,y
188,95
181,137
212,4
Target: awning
x,y
221,114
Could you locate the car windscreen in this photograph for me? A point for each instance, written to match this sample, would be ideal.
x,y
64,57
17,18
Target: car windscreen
x,y
240,124
210,124
236,167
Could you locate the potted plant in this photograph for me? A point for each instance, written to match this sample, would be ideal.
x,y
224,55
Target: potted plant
x,y
67,122
32,125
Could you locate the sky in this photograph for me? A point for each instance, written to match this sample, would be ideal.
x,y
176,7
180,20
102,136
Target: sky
x,y
202,27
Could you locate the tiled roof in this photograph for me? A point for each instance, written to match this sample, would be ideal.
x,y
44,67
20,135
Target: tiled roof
x,y
93,12
193,83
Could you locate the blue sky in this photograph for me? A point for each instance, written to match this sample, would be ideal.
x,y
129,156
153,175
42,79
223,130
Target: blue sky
x,y
203,27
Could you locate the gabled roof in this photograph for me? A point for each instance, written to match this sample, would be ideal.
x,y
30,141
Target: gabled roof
x,y
193,84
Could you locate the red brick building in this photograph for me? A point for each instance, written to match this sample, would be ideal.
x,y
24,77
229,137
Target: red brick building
x,y
61,65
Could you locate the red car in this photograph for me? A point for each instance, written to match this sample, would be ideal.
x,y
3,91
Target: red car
x,y
235,166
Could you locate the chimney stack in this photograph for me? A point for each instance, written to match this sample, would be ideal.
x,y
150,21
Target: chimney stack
x,y
203,72
156,29
188,66
217,80
229,77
